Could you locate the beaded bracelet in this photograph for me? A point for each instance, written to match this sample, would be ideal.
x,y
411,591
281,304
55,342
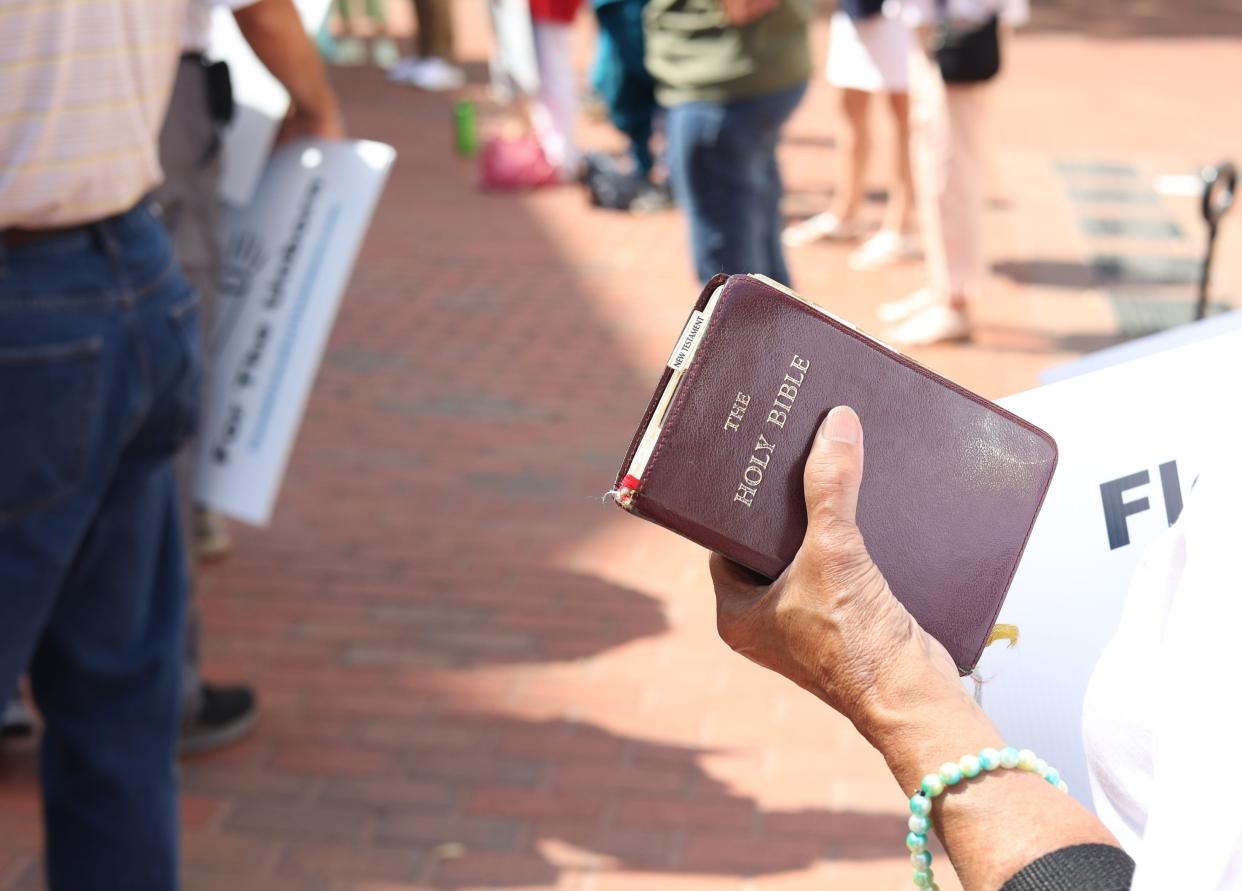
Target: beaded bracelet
x,y
950,774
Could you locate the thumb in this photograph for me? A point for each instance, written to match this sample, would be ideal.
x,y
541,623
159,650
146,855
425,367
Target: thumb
x,y
834,470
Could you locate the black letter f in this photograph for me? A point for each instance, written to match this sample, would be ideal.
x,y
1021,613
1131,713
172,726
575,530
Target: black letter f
x,y
1116,510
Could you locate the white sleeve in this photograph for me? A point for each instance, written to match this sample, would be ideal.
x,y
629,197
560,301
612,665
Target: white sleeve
x,y
1193,836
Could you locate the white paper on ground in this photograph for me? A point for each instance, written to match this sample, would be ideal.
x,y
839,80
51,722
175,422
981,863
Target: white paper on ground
x,y
1066,598
260,102
288,258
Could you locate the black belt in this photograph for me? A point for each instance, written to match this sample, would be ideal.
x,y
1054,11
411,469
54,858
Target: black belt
x,y
20,237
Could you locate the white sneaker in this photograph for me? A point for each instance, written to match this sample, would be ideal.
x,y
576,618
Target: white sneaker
x,y
934,324
400,70
436,75
16,720
822,225
899,310
884,248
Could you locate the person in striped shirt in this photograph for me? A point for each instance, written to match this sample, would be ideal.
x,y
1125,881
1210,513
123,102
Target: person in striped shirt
x,y
99,384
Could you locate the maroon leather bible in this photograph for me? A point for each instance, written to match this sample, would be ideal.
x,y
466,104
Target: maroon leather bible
x,y
952,483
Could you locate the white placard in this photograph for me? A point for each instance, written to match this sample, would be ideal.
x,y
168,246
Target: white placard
x,y
1131,439
260,102
287,260
1145,346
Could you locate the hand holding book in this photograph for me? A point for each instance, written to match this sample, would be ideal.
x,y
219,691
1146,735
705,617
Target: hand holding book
x,y
955,481
831,624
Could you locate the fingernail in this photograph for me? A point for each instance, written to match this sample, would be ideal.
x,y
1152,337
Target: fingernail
x,y
841,425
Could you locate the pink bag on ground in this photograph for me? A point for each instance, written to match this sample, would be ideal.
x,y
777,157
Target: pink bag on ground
x,y
515,163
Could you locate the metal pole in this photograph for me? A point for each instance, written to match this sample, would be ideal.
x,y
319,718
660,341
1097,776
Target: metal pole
x,y
1219,183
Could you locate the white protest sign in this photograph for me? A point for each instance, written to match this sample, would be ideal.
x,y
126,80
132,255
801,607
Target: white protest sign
x,y
287,260
260,102
1131,440
1145,346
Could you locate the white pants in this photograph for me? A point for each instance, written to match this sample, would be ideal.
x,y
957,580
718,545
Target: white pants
x,y
554,110
946,132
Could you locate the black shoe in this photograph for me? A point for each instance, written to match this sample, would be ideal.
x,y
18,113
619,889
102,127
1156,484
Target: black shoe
x,y
224,716
17,722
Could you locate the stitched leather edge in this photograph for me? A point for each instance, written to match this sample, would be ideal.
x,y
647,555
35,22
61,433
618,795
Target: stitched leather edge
x,y
704,297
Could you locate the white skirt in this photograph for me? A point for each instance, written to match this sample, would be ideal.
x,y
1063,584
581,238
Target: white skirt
x,y
871,55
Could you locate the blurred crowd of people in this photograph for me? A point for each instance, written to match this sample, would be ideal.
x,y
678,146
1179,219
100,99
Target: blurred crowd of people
x,y
702,90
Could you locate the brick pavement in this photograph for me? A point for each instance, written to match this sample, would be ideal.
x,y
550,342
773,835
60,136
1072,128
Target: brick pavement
x,y
476,676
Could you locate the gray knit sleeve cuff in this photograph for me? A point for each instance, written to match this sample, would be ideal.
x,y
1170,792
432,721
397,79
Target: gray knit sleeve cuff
x,y
1077,868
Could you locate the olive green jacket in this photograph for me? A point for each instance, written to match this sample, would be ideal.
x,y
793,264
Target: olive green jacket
x,y
695,55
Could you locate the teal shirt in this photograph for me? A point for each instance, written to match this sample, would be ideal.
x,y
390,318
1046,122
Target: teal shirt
x,y
695,55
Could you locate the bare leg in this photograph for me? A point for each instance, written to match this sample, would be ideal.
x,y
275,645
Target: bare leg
x,y
840,222
854,169
899,213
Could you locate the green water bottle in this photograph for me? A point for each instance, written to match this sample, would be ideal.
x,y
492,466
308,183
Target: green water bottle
x,y
466,128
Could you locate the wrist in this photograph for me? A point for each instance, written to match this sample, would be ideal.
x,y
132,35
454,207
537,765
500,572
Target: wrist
x,y
920,716
318,108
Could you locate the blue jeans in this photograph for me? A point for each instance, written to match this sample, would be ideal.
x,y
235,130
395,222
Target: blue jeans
x,y
99,368
722,162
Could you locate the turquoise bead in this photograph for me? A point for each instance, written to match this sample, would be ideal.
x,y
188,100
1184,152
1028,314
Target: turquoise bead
x,y
1052,775
950,773
921,860
970,766
989,759
933,785
920,804
1009,757
922,878
921,825
916,842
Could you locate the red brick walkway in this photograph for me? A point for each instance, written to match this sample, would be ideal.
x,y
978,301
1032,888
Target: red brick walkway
x,y
473,674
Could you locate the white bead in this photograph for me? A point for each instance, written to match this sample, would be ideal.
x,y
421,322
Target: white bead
x,y
1041,767
1026,760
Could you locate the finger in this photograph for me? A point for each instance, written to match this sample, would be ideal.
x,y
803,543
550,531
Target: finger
x,y
737,591
834,470
732,575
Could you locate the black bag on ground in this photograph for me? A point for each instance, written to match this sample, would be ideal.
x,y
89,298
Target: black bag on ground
x,y
966,55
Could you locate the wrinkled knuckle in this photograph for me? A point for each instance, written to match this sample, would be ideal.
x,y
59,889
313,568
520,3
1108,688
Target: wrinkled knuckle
x,y
832,482
843,564
833,539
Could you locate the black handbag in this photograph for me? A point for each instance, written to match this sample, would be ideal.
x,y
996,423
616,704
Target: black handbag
x,y
966,55
861,9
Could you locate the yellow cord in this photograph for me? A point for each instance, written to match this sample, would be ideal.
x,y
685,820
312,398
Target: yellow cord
x,y
1003,632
